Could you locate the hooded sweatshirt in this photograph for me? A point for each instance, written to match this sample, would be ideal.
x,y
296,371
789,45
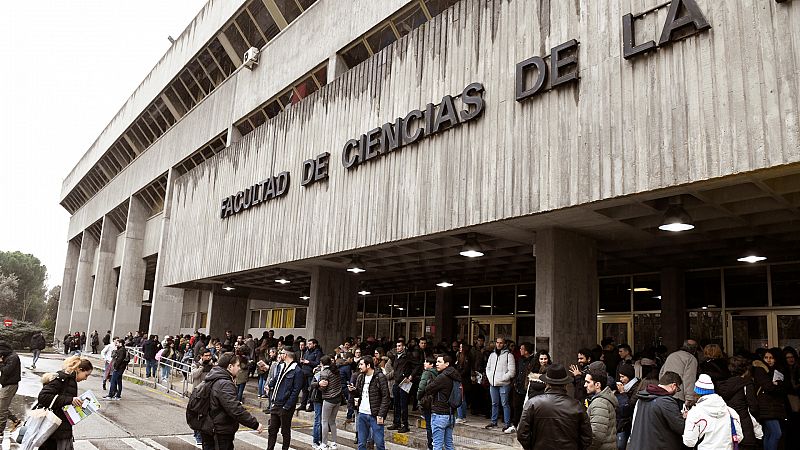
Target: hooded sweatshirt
x,y
657,421
10,368
709,422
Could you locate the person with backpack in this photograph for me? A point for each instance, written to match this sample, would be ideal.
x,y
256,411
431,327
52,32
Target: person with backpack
x,y
446,396
213,409
37,345
119,361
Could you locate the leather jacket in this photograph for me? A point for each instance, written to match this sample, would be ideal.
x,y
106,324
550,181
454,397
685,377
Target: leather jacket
x,y
554,420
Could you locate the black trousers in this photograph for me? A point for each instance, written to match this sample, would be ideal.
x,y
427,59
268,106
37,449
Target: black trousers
x,y
218,441
279,419
517,401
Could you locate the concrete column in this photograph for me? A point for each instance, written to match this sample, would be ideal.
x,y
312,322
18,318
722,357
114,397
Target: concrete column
x,y
131,275
444,314
226,312
67,290
82,300
674,323
566,293
104,296
332,308
336,67
167,302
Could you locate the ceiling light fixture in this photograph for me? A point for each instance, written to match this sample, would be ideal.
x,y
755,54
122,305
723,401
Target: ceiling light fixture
x,y
752,255
444,284
356,265
641,289
282,277
471,248
304,297
364,292
676,218
522,295
228,286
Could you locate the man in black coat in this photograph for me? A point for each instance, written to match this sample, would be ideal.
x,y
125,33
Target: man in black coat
x,y
225,411
119,361
405,366
149,349
10,375
37,345
283,392
658,421
107,338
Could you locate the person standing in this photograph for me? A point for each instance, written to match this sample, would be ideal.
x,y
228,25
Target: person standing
x,y
500,370
554,420
657,420
626,389
284,389
684,363
107,338
579,371
524,367
428,374
107,354
37,345
149,349
119,361
442,415
404,368
464,367
59,390
739,393
10,376
198,375
771,395
602,410
373,391
710,424
330,384
225,411
95,342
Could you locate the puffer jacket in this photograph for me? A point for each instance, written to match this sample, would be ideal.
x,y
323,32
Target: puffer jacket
x,y
603,418
427,376
333,390
501,368
709,423
554,420
10,368
63,387
439,389
657,421
378,393
771,397
740,394
226,412
684,364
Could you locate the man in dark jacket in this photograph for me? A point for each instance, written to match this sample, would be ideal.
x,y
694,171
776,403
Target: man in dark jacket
x,y
308,361
10,375
284,389
405,366
225,411
442,420
37,345
554,420
657,420
149,349
107,338
372,390
119,361
524,368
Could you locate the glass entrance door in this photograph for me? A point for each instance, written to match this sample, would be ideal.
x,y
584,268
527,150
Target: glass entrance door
x,y
787,328
492,327
618,328
748,331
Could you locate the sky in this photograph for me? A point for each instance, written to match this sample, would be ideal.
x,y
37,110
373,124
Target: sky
x,y
69,66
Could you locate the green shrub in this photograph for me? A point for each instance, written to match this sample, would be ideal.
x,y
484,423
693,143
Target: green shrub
x,y
18,335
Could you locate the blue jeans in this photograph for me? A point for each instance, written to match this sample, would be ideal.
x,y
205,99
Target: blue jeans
x,y
165,371
151,367
240,391
442,425
428,428
262,380
198,438
115,390
772,434
367,423
36,353
317,432
499,396
622,440
461,413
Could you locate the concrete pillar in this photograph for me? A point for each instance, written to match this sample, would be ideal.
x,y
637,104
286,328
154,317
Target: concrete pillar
x,y
67,290
566,293
332,308
336,67
674,323
131,274
84,284
104,296
443,319
167,302
226,312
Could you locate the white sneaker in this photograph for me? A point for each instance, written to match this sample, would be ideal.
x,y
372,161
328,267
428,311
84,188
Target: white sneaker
x,y
510,430
460,420
331,446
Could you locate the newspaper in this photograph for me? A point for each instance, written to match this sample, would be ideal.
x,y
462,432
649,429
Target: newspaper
x,y
406,386
77,413
777,376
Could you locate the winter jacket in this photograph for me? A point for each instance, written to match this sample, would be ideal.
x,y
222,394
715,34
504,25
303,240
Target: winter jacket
x,y
524,367
378,393
740,395
404,365
554,420
427,376
150,348
709,423
333,390
657,421
603,419
717,369
64,388
10,368
439,389
286,385
37,342
626,402
771,397
226,412
106,339
119,358
199,373
684,364
313,357
501,368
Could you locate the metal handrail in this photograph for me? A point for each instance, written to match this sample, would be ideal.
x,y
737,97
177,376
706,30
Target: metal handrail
x,y
177,369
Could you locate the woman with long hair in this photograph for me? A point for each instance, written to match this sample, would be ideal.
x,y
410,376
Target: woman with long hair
x,y
59,390
771,395
537,386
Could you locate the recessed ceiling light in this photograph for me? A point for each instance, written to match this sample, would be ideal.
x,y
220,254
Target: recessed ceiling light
x,y
705,307
444,284
485,306
228,286
602,309
305,297
641,289
522,295
363,292
465,307
752,259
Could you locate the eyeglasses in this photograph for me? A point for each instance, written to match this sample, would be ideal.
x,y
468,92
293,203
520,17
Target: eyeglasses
x,y
281,353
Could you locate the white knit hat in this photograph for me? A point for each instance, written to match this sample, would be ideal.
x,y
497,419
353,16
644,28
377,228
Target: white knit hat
x,y
703,385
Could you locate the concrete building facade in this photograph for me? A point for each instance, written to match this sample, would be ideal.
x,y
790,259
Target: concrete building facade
x,y
555,136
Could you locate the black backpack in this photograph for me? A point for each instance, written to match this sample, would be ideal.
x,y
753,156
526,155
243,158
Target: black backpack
x,y
198,410
456,395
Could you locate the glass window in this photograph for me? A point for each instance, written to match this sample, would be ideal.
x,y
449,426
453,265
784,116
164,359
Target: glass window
x,y
355,55
785,284
236,40
416,304
277,318
369,328
371,307
288,318
244,127
255,320
745,287
462,329
461,302
703,288
300,317
647,292
272,109
615,294
706,327
322,75
385,306
399,305
526,331
289,9
384,328
304,89
789,330
266,318
480,301
360,313
435,7
430,330
526,298
264,20
285,98
381,39
251,33
647,331
504,298
430,304
203,320
409,20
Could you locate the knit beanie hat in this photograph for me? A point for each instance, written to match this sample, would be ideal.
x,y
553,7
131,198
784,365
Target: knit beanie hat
x,y
627,370
703,385
598,365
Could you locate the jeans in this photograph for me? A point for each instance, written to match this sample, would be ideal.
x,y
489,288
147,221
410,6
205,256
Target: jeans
x,y
262,380
365,424
218,441
622,440
116,384
316,433
442,425
329,412
165,371
772,434
198,437
240,391
6,395
280,419
499,396
461,412
400,406
428,428
36,354
152,367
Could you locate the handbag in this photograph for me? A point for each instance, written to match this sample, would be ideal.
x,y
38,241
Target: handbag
x,y
40,425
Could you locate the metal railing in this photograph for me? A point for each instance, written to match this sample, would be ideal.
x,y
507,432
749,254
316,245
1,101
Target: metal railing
x,y
173,376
